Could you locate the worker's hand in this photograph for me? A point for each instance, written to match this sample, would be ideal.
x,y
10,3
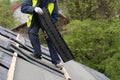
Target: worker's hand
x,y
38,10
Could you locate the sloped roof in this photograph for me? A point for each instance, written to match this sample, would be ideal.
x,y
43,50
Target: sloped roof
x,y
28,68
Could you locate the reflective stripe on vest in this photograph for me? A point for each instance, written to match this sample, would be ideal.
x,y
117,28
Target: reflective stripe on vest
x,y
50,7
34,2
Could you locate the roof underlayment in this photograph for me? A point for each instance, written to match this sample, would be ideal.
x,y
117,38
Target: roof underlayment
x,y
28,68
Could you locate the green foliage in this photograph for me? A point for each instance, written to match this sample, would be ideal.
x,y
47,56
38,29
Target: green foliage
x,y
111,67
95,42
19,2
94,9
118,7
6,17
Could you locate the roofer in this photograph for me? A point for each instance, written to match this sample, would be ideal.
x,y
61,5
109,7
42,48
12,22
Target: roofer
x,y
33,8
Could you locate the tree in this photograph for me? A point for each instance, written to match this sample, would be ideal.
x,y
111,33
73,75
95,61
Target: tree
x,y
117,12
96,43
94,9
6,17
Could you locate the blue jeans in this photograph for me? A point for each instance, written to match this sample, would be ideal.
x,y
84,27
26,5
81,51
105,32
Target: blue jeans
x,y
34,38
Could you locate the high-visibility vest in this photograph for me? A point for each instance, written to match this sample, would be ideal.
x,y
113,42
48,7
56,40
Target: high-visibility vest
x,y
34,3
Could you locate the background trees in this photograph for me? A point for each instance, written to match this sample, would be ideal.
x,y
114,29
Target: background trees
x,y
95,43
94,9
6,18
93,34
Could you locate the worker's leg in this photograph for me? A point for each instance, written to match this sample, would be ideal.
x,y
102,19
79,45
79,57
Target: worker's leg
x,y
34,38
53,53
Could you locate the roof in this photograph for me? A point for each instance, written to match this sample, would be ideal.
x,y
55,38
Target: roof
x,y
28,68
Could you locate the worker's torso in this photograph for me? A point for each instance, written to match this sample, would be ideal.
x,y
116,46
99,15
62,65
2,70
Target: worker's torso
x,y
41,4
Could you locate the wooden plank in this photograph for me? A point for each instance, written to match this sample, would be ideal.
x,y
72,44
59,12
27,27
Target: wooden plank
x,y
17,38
13,62
12,67
67,76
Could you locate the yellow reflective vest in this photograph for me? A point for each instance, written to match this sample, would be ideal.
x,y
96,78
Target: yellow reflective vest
x,y
34,3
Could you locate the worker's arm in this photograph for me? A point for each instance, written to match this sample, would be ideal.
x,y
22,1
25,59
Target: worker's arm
x,y
53,10
27,7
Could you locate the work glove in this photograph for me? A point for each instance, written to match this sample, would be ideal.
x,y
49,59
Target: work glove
x,y
38,10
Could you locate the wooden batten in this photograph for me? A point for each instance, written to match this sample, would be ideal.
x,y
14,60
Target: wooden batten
x,y
12,67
